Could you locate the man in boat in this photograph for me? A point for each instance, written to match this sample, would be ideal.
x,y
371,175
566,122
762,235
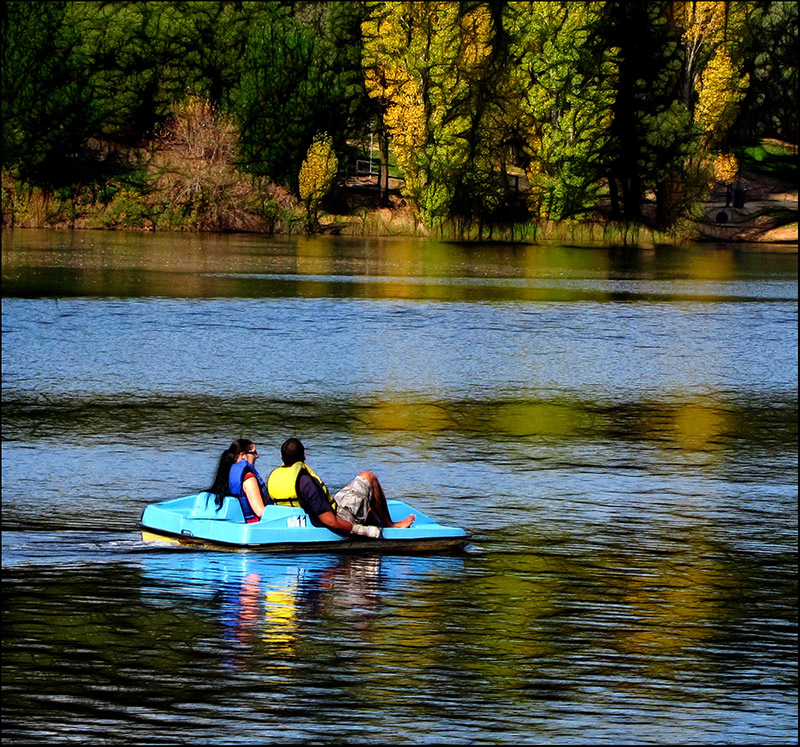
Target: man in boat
x,y
359,508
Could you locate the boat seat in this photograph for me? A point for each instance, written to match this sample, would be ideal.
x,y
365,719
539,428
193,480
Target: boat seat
x,y
231,510
205,507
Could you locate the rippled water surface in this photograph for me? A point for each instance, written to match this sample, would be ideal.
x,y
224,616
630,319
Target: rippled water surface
x,y
617,429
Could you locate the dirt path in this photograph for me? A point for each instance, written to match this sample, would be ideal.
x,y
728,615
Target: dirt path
x,y
761,218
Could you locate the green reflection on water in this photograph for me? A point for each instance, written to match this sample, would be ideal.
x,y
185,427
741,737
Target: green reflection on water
x,y
186,638
128,264
692,425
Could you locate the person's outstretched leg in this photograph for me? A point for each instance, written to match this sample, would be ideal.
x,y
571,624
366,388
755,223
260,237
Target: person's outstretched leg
x,y
379,504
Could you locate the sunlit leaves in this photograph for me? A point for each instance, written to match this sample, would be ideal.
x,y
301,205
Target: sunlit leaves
x,y
714,39
721,87
317,175
726,168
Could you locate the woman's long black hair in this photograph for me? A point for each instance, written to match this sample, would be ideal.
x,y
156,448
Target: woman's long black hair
x,y
220,486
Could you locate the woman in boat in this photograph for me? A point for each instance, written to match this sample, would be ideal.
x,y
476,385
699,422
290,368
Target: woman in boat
x,y
359,508
237,475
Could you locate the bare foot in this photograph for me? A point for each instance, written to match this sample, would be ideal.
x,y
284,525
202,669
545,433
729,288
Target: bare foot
x,y
405,523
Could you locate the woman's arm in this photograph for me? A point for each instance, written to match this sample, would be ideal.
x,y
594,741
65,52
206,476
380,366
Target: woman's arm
x,y
251,490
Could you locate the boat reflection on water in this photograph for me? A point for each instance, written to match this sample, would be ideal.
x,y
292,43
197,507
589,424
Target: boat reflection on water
x,y
273,601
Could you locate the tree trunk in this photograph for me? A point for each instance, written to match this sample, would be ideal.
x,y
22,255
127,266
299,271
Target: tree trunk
x,y
613,193
383,176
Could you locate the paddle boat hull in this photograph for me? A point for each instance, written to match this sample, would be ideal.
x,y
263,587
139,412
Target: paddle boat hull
x,y
194,521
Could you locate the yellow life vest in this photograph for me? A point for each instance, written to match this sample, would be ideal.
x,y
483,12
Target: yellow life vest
x,y
282,485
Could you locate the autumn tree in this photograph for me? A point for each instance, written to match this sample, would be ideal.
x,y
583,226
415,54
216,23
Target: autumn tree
x,y
380,82
388,32
714,40
194,181
317,175
431,65
721,88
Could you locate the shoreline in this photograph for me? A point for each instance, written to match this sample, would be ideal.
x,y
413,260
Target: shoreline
x,y
762,218
779,241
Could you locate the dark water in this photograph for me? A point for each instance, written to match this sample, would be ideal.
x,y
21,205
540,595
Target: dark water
x,y
617,430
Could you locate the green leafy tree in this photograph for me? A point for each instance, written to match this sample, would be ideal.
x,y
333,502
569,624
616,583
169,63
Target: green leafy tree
x,y
212,44
295,83
49,107
134,63
565,77
770,105
144,56
317,175
433,66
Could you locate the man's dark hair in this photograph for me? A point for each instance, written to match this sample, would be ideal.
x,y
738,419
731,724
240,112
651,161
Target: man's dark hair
x,y
292,451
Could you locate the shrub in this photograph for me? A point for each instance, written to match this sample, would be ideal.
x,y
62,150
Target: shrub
x,y
195,182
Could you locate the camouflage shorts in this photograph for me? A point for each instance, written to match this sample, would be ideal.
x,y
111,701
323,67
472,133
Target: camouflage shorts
x,y
353,501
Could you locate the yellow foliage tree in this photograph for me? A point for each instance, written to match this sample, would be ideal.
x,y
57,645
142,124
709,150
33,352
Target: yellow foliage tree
x,y
726,168
714,37
423,61
316,176
720,90
702,23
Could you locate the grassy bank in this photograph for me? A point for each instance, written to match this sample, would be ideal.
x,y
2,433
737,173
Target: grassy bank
x,y
176,202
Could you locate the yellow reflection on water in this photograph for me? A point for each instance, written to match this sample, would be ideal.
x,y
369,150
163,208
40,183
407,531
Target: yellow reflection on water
x,y
712,265
698,426
557,419
541,261
399,258
676,603
403,415
315,256
280,615
537,419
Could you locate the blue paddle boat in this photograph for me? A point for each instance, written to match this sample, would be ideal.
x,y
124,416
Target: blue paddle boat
x,y
195,521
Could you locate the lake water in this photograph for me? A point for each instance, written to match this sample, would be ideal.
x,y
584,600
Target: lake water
x,y
617,429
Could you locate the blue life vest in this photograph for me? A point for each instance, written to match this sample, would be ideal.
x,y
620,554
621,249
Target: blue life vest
x,y
235,480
